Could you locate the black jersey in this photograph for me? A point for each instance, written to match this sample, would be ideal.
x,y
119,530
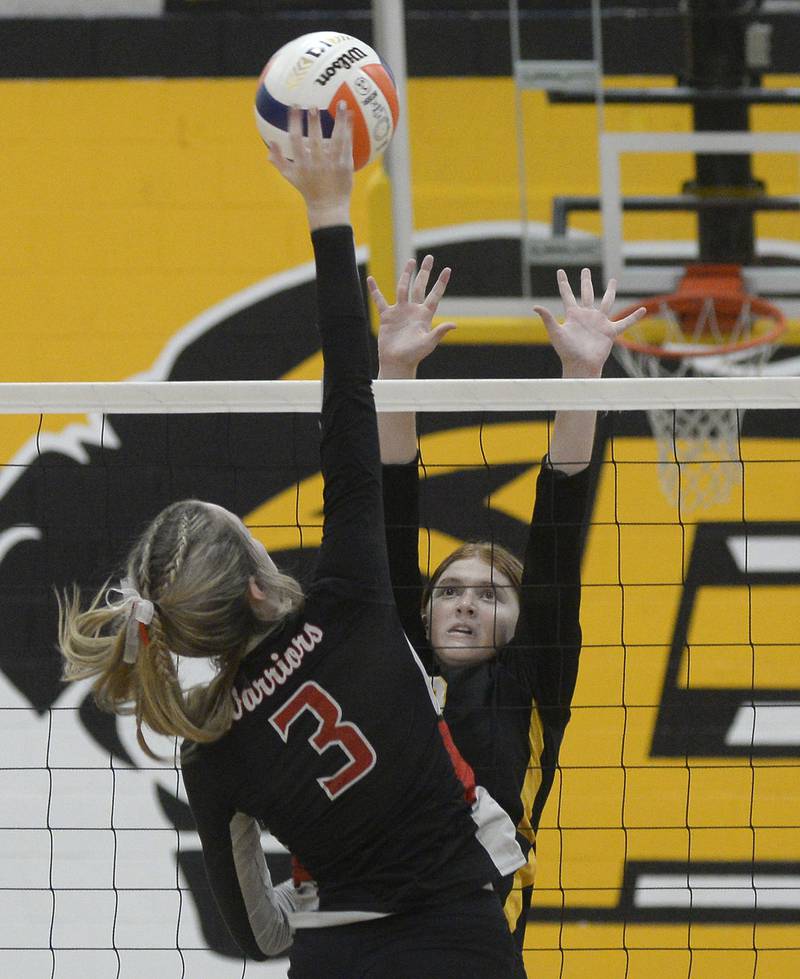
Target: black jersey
x,y
507,715
336,745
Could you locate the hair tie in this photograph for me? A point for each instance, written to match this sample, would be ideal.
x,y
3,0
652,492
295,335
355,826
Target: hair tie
x,y
140,614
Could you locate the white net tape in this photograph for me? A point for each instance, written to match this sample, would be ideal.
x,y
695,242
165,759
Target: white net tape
x,y
500,394
695,418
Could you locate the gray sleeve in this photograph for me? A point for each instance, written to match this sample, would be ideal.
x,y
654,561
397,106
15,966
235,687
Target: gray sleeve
x,y
268,906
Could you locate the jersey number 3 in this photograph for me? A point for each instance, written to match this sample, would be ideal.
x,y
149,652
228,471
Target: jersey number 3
x,y
331,729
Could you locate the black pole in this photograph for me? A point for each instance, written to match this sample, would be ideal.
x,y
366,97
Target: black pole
x,y
715,36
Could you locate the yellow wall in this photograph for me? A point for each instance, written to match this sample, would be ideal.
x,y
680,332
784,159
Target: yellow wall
x,y
612,801
129,207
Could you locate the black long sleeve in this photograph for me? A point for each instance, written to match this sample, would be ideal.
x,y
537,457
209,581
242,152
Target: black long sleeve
x,y
551,586
353,544
401,514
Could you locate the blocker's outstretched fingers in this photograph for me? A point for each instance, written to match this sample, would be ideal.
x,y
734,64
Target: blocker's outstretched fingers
x,y
550,322
565,290
404,282
587,289
621,325
607,302
421,280
376,295
434,297
438,332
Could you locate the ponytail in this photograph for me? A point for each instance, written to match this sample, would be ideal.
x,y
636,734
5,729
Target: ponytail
x,y
192,569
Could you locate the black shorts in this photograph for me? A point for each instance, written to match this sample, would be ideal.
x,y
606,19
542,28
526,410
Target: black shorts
x,y
467,939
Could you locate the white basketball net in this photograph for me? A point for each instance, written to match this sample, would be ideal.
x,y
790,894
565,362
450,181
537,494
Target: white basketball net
x,y
699,462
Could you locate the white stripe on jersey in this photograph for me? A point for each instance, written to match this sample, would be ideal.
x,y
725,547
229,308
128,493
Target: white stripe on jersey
x,y
329,919
428,679
496,834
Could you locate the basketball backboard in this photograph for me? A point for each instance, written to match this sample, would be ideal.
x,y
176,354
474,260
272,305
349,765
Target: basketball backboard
x,y
643,137
699,161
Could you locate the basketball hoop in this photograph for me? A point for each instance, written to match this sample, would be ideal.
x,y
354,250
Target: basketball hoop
x,y
710,327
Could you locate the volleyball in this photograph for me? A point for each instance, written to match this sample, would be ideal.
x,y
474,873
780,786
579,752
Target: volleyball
x,y
320,70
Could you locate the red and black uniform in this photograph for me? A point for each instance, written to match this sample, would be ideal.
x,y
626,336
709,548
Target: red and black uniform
x,y
336,746
507,715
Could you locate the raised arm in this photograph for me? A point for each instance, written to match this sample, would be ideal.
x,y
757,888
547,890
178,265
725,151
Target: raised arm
x,y
405,339
256,912
549,625
322,173
583,342
353,544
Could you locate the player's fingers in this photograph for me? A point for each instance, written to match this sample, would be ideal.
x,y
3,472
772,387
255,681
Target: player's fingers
x,y
296,132
421,280
438,332
376,294
434,297
587,289
621,325
607,302
550,323
315,124
342,138
276,157
404,281
315,134
565,290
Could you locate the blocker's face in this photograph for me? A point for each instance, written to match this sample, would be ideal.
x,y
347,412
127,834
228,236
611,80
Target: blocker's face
x,y
474,611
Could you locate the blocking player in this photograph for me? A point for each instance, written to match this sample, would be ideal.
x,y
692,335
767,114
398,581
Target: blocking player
x,y
504,636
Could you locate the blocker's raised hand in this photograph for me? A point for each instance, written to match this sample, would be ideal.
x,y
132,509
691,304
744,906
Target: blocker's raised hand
x,y
585,338
321,169
406,335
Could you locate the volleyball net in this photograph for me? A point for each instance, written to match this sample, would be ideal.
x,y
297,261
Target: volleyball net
x,y
671,838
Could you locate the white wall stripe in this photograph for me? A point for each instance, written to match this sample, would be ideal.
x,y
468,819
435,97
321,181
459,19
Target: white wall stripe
x,y
766,553
717,891
763,723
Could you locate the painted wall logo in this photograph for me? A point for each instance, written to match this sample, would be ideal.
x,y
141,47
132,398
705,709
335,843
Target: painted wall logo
x,y
70,504
759,563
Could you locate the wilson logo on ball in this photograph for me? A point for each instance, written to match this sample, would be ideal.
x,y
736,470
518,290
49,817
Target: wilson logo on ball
x,y
344,61
318,71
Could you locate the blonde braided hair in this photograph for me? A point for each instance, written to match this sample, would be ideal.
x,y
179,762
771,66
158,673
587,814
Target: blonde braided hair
x,y
194,562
